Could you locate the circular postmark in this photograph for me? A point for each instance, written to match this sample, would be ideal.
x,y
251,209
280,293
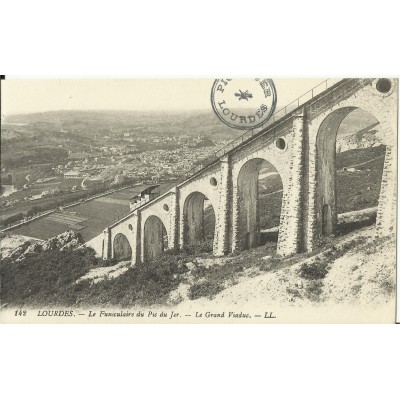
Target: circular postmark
x,y
243,103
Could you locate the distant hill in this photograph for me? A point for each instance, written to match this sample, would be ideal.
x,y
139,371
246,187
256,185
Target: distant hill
x,y
76,131
91,123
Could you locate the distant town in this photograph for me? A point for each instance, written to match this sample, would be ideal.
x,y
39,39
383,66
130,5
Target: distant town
x,y
50,168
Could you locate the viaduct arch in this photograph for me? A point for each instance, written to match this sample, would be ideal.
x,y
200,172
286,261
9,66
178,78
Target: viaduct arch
x,y
301,147
122,248
326,169
155,238
195,228
249,207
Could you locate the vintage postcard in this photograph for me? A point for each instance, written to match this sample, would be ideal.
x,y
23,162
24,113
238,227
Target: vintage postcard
x,y
228,200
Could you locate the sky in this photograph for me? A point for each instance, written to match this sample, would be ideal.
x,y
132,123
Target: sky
x,y
22,96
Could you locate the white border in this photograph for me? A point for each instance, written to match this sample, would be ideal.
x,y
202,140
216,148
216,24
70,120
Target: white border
x,y
180,38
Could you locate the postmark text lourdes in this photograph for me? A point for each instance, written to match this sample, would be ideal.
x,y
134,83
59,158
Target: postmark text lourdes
x,y
243,103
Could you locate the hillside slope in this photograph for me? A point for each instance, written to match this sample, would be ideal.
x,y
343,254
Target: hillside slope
x,y
352,274
357,273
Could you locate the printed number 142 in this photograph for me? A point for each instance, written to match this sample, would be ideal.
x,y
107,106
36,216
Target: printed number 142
x,y
20,313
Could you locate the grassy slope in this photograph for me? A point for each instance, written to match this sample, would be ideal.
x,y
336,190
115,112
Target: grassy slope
x,y
356,268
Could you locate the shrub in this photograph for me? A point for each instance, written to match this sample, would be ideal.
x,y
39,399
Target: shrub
x,y
44,278
315,270
355,290
294,292
49,278
172,252
33,211
388,287
205,246
313,290
204,289
13,218
147,284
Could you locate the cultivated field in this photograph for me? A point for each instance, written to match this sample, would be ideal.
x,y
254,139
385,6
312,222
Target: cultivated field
x,y
89,218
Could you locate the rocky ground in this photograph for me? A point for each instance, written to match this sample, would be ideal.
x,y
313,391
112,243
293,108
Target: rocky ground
x,y
9,243
96,275
364,274
354,282
18,247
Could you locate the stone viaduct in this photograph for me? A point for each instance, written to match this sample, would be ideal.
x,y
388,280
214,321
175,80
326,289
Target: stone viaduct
x,y
300,146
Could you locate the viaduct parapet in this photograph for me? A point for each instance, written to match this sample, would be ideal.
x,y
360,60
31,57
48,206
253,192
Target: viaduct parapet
x,y
300,146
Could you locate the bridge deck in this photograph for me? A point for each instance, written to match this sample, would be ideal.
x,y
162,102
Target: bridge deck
x,y
303,102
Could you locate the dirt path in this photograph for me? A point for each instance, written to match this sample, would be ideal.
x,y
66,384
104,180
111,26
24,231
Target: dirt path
x,y
365,162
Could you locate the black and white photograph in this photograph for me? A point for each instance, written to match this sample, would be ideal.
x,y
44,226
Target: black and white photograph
x,y
198,200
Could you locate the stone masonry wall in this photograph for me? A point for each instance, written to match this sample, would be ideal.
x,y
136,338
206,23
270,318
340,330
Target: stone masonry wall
x,y
126,228
164,210
296,164
291,223
201,184
264,148
386,216
221,235
356,93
